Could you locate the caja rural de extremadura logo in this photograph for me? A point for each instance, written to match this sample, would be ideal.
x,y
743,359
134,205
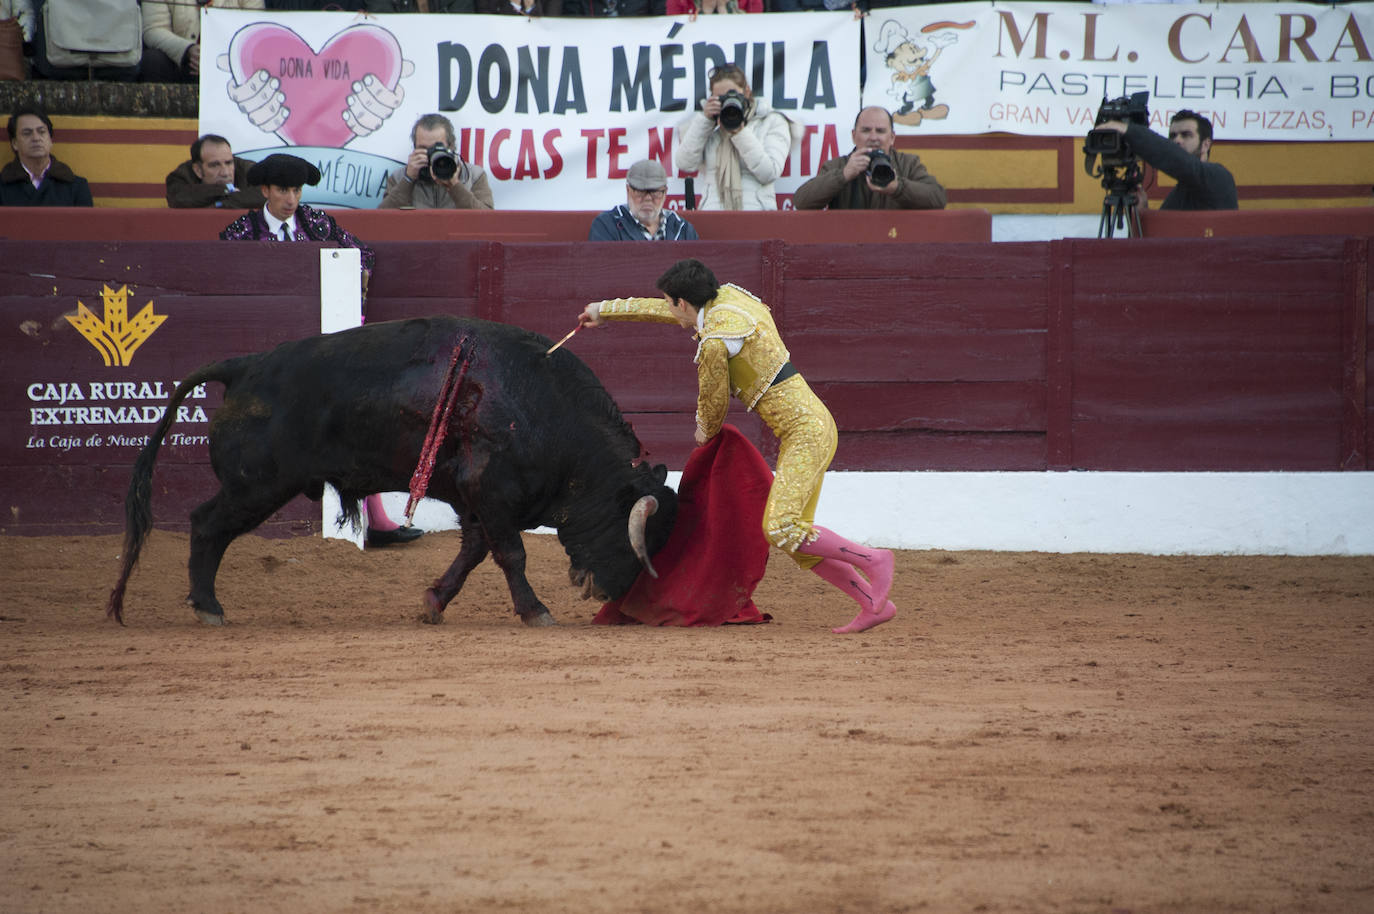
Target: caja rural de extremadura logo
x,y
116,337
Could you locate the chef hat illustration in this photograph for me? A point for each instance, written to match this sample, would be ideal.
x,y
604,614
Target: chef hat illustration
x,y
890,37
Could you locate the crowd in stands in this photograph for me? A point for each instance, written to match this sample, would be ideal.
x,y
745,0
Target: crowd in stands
x,y
736,145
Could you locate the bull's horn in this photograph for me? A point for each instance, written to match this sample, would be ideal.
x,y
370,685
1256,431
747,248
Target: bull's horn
x,y
639,515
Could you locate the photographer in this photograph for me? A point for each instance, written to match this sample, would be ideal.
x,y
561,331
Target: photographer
x,y
1183,157
736,144
874,175
435,176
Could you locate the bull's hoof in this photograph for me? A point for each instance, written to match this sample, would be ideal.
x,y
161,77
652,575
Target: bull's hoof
x,y
541,619
433,612
210,618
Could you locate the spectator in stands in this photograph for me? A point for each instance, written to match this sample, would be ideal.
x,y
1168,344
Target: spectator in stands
x,y
328,6
737,165
612,8
16,34
417,186
213,176
171,38
707,7
793,6
520,7
847,182
420,6
1202,184
34,177
642,216
286,218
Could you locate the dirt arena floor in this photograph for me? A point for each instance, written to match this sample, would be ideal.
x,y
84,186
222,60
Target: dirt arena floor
x,y
1033,733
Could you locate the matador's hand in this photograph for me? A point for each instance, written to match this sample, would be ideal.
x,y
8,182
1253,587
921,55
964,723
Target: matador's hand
x,y
590,316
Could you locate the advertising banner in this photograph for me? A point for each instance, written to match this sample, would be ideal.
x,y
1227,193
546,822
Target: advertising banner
x,y
555,110
1259,71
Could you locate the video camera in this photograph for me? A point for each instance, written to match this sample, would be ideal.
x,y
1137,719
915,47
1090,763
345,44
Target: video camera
x,y
1108,144
443,164
1119,166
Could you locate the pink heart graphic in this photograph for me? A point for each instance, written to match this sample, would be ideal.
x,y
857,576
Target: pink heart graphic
x,y
316,86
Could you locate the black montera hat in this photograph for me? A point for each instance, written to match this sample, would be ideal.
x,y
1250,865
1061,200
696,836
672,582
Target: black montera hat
x,y
281,170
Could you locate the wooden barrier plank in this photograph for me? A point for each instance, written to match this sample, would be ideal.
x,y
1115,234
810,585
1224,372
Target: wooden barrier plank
x,y
1014,406
516,226
945,451
967,355
1354,325
1243,444
1343,220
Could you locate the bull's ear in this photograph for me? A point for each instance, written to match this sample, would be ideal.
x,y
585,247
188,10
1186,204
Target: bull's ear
x,y
660,473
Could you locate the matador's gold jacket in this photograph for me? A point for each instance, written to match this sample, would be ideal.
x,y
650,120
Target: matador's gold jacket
x,y
734,314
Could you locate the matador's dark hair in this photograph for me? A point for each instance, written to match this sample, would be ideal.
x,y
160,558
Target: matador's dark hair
x,y
689,279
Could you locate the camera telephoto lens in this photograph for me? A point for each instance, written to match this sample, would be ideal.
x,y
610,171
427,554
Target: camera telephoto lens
x,y
732,110
880,170
443,164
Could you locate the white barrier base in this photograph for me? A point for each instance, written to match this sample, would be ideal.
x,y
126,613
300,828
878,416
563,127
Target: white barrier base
x,y
1151,513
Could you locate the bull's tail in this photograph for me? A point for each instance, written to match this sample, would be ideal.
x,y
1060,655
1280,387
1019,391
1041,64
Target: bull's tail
x,y
138,510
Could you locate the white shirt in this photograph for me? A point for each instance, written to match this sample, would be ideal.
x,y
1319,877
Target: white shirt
x,y
274,224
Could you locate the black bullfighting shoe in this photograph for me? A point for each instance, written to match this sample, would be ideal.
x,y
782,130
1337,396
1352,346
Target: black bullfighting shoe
x,y
393,537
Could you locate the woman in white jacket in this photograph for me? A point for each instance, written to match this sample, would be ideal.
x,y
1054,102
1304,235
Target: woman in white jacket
x,y
736,168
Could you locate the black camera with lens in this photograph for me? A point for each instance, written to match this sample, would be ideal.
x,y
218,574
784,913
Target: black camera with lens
x,y
734,110
443,164
1107,143
880,171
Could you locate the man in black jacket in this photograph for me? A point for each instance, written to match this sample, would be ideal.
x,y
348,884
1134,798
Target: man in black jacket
x,y
1184,157
213,176
34,177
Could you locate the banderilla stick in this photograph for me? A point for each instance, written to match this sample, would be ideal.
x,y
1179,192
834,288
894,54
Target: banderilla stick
x,y
564,340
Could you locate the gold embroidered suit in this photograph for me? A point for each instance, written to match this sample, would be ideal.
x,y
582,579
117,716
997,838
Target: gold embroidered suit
x,y
804,427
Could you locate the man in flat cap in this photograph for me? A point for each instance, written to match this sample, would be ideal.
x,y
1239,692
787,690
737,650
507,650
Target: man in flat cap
x,y
285,218
642,216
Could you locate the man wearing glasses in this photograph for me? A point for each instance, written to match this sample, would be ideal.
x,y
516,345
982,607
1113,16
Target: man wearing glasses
x,y
642,216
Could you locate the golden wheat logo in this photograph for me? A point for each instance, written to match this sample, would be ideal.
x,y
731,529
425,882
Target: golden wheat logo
x,y
116,337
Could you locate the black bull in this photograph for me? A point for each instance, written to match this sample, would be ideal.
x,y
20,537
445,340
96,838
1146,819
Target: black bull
x,y
532,440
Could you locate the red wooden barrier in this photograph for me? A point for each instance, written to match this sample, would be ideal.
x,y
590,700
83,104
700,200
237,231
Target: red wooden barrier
x,y
1357,220
372,225
1085,354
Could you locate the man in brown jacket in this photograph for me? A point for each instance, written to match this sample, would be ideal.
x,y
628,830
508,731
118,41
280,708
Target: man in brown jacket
x,y
213,176
874,175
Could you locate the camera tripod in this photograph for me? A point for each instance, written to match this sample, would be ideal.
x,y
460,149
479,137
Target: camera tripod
x,y
1119,205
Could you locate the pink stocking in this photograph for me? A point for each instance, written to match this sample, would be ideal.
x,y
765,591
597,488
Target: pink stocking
x,y
376,514
863,573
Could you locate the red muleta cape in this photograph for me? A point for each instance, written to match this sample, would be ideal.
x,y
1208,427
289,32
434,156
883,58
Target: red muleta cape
x,y
716,554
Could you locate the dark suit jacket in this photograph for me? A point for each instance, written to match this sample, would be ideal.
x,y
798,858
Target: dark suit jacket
x,y
59,187
185,190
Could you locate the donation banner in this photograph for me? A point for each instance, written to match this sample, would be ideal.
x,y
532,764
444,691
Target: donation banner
x,y
1260,71
555,110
